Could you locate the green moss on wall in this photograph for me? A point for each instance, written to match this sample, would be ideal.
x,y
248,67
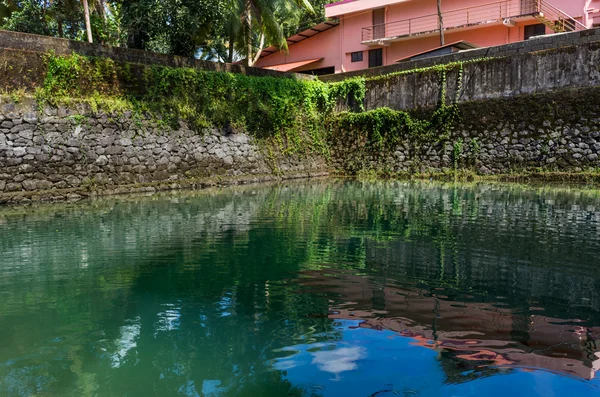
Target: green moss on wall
x,y
298,114
292,110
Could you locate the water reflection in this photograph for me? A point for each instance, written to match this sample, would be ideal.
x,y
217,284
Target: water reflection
x,y
323,288
470,334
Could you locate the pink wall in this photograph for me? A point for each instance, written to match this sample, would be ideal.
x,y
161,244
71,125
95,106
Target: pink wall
x,y
337,44
484,37
324,45
593,17
345,7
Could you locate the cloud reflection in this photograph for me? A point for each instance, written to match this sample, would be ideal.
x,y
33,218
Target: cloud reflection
x,y
339,360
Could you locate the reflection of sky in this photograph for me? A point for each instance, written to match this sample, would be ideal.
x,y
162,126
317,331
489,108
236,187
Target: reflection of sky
x,y
212,388
169,319
126,342
366,361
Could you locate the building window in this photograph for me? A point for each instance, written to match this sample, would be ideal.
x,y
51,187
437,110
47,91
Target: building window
x,y
319,72
357,56
535,30
375,58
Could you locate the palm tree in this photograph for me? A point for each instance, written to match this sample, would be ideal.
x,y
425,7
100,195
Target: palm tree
x,y
100,7
255,22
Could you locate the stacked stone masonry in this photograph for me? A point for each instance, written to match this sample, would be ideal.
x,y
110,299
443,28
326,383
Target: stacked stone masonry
x,y
558,131
507,147
63,148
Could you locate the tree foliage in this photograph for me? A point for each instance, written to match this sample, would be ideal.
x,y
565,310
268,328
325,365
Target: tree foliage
x,y
63,18
305,19
220,30
171,26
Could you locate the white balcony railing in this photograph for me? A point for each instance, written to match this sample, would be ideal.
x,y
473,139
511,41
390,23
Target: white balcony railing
x,y
472,16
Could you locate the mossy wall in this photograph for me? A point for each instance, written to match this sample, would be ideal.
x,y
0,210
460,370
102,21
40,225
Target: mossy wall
x,y
555,131
77,124
83,125
566,67
536,109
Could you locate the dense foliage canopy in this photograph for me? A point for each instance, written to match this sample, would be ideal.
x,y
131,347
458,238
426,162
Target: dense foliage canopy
x,y
220,30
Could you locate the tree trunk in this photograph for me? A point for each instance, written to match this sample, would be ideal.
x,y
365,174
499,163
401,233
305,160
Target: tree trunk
x,y
231,40
88,25
102,10
260,47
248,33
441,22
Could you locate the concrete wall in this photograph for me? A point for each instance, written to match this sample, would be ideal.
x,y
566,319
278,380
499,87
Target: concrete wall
x,y
547,64
530,73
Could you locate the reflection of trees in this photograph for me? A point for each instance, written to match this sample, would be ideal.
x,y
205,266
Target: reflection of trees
x,y
172,291
170,294
478,239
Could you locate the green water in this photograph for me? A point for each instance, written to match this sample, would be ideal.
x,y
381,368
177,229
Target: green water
x,y
326,288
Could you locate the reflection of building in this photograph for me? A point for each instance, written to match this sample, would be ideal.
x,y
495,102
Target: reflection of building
x,y
370,33
471,334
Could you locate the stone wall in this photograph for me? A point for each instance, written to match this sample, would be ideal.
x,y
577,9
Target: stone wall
x,y
57,152
537,109
558,131
524,106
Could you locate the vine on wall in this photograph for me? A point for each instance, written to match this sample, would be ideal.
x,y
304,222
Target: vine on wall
x,y
299,114
383,130
291,110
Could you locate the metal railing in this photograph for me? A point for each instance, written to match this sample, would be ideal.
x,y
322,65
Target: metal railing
x,y
557,19
471,16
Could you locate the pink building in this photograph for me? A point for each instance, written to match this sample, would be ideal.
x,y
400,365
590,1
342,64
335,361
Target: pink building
x,y
370,33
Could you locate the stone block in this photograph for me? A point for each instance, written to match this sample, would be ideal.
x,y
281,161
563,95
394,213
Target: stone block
x,y
13,187
73,181
114,150
30,118
19,127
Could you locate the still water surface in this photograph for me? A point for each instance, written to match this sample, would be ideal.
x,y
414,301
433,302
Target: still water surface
x,y
322,288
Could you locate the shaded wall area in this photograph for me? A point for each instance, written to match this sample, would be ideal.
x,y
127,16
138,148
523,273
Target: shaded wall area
x,y
524,106
552,131
26,43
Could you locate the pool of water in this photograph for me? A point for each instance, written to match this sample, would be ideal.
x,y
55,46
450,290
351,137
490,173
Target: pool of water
x,y
323,288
